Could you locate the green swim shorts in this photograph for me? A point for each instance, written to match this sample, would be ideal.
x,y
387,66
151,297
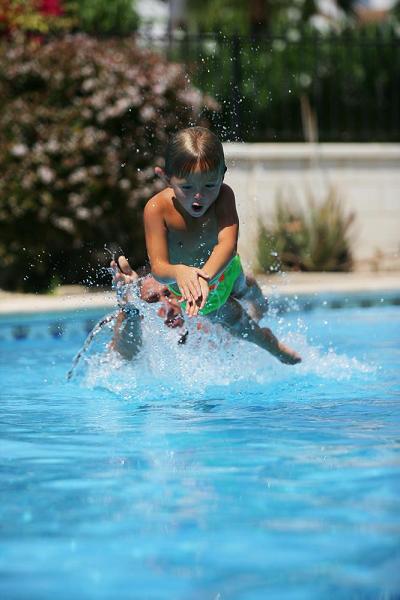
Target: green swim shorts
x,y
220,287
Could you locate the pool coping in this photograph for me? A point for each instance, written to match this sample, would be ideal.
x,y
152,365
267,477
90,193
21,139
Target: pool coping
x,y
332,283
304,287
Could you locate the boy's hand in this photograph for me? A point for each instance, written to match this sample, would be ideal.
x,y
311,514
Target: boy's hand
x,y
193,308
205,290
188,280
123,274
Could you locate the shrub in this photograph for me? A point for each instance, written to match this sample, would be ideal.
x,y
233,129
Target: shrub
x,y
82,123
51,16
34,16
315,239
102,16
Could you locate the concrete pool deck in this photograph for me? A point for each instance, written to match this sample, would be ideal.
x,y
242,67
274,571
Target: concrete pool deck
x,y
68,298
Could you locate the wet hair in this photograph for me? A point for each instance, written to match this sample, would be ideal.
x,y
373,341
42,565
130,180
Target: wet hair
x,y
191,149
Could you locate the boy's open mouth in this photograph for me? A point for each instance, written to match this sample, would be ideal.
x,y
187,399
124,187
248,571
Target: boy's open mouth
x,y
196,207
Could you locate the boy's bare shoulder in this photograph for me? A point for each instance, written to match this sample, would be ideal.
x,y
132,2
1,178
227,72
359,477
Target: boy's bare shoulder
x,y
226,193
225,206
159,203
226,199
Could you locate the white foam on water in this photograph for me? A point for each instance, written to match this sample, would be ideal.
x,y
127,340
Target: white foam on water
x,y
210,358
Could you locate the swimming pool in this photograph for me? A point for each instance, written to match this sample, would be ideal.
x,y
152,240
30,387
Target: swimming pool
x,y
210,472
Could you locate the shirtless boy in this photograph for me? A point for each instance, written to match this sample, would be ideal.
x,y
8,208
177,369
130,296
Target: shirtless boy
x,y
192,229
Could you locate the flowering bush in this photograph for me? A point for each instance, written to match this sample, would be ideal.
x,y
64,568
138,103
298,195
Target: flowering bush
x,y
34,16
82,123
37,17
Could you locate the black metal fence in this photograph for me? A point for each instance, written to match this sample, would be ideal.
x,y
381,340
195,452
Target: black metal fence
x,y
296,86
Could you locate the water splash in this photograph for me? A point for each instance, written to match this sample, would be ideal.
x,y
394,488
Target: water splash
x,y
210,360
109,319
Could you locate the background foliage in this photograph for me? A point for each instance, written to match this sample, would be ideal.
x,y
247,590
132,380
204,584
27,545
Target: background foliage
x,y
116,17
82,123
83,120
300,84
35,16
110,17
260,16
317,238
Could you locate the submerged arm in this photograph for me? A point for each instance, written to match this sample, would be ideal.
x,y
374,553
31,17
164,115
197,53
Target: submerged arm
x,y
127,339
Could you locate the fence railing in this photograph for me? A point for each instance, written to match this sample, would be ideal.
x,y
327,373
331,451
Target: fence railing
x,y
298,86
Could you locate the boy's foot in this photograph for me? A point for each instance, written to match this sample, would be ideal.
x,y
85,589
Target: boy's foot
x,y
280,351
287,356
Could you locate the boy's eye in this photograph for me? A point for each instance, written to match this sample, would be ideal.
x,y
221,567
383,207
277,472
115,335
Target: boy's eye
x,y
210,185
186,187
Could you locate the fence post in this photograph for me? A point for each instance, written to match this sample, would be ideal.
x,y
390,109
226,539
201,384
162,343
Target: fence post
x,y
395,99
236,121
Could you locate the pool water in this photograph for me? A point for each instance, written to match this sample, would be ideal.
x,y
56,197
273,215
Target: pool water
x,y
202,471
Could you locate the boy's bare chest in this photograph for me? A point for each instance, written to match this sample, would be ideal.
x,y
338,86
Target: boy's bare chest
x,y
191,242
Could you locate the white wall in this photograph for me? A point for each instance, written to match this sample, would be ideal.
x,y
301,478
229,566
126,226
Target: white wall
x,y
365,176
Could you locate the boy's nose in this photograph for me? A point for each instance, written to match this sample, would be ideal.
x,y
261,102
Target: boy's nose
x,y
197,196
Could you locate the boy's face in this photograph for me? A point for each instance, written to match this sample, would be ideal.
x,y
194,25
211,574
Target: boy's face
x,y
197,191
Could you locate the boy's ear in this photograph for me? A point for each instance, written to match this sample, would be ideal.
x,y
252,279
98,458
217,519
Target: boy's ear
x,y
161,173
225,170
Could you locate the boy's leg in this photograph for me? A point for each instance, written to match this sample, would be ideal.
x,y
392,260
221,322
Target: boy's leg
x,y
237,321
247,289
127,339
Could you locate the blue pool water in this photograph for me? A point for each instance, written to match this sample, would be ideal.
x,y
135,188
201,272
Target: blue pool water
x,y
204,471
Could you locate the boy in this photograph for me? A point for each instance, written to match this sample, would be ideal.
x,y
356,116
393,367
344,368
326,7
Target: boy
x,y
191,230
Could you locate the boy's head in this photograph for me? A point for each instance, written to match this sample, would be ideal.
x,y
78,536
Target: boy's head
x,y
194,168
191,150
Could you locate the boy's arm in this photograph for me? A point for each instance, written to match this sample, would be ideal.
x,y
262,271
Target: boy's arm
x,y
228,231
156,242
157,250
